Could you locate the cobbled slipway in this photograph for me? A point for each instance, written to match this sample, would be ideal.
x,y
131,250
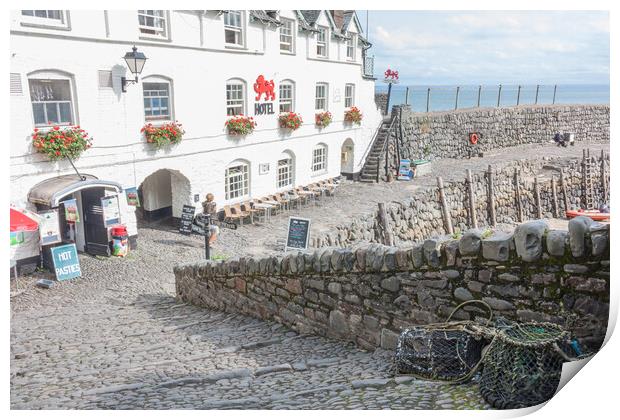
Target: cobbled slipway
x,y
116,338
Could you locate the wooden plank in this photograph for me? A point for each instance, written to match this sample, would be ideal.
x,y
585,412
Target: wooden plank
x,y
563,185
472,201
491,195
537,198
444,207
518,195
384,226
554,194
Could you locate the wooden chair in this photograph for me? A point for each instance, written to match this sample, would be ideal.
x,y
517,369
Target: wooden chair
x,y
293,197
236,209
229,215
247,207
281,199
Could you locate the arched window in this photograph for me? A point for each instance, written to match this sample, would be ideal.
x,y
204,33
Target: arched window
x,y
286,170
319,159
157,94
287,96
52,97
235,97
237,180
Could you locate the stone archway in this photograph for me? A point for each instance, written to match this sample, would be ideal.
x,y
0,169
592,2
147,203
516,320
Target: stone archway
x,y
347,157
163,194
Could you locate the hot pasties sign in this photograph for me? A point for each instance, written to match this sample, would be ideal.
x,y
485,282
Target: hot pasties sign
x,y
66,262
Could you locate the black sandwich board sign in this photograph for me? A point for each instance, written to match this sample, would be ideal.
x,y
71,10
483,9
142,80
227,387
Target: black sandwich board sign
x,y
298,233
187,218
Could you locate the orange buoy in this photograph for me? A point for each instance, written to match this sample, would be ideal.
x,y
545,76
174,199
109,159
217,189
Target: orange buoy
x,y
473,138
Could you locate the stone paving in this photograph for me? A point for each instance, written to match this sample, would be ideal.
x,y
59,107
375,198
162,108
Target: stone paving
x,y
116,337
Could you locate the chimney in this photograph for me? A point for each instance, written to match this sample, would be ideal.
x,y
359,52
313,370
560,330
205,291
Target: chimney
x,y
338,16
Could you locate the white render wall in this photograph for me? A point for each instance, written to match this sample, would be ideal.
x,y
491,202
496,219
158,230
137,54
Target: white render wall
x,y
198,66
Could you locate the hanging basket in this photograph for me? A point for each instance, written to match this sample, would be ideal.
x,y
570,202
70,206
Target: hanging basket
x,y
448,351
523,365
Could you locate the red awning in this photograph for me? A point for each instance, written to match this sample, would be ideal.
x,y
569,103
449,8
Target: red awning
x,y
21,222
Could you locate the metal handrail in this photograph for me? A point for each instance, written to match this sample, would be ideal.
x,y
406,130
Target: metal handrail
x,y
384,148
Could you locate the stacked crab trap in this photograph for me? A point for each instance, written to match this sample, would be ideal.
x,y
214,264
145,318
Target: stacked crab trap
x,y
520,364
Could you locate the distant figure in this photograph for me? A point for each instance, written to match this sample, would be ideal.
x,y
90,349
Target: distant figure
x,y
604,208
209,208
560,139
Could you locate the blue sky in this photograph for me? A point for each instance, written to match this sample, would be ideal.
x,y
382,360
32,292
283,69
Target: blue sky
x,y
491,47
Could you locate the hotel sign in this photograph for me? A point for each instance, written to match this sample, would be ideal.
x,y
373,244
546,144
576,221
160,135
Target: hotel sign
x,y
264,87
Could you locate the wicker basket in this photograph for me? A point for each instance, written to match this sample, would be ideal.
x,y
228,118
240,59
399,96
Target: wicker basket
x,y
448,351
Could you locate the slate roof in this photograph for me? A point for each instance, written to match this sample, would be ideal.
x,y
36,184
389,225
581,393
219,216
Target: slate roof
x,y
311,16
264,16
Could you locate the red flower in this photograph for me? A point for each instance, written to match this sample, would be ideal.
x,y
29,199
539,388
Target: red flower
x,y
57,153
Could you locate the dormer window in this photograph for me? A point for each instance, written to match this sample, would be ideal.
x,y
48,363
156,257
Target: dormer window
x,y
351,47
321,42
152,22
233,28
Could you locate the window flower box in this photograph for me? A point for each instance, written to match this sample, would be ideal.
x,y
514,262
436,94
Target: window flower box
x,y
323,119
353,115
290,120
61,143
240,125
163,135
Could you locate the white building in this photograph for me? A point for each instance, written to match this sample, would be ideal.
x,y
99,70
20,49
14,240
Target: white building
x,y
66,69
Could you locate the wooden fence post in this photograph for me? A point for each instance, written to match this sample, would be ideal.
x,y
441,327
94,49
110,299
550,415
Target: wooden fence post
x,y
554,194
472,201
444,207
563,185
384,226
518,196
491,195
537,198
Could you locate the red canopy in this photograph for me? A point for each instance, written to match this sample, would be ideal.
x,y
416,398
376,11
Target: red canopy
x,y
21,222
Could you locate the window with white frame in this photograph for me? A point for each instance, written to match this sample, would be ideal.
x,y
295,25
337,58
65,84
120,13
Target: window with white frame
x,y
320,99
349,95
51,102
286,171
287,36
321,42
152,22
49,18
235,97
157,99
237,180
319,159
351,47
287,96
233,27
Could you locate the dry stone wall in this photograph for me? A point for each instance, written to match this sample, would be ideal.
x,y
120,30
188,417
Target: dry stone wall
x,y
368,295
421,216
446,134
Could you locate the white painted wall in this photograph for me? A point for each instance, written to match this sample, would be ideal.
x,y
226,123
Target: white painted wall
x,y
198,64
157,191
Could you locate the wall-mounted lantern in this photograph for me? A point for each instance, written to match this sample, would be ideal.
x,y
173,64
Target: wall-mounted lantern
x,y
135,61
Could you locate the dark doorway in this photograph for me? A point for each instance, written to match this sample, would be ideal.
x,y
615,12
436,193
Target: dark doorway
x,y
95,231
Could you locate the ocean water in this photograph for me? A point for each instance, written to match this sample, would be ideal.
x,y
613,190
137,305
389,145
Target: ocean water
x,y
443,98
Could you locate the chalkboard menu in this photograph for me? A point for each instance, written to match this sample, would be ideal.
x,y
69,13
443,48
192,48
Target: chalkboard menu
x,y
298,233
187,217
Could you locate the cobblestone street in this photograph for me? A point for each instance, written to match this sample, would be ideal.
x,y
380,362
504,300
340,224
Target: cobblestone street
x,y
116,337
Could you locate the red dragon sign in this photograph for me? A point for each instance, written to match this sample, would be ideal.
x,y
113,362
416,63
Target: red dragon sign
x,y
264,86
391,74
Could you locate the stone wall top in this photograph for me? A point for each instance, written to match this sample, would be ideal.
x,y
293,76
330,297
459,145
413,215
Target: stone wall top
x,y
531,242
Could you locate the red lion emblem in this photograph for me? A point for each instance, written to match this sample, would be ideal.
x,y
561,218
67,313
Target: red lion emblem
x,y
264,86
393,74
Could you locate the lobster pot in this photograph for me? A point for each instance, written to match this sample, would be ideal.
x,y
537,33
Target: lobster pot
x,y
446,352
523,365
